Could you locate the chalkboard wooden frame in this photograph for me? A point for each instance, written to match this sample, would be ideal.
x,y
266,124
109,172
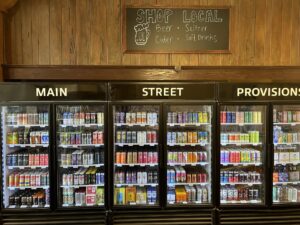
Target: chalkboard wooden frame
x,y
128,51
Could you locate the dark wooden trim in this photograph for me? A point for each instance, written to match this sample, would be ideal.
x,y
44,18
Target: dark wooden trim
x,y
153,73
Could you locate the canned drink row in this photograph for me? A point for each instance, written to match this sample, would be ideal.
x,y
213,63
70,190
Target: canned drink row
x,y
136,137
286,116
288,173
241,117
19,119
78,138
83,176
282,138
133,176
27,159
286,194
181,175
28,179
29,198
135,195
82,157
187,194
134,157
82,118
32,137
240,156
136,117
238,176
240,194
186,157
187,137
251,137
286,155
188,117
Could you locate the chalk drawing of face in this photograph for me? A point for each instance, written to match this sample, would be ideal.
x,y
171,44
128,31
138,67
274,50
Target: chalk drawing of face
x,y
142,33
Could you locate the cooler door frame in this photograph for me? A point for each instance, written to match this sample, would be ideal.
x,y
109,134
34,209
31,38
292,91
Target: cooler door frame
x,y
265,166
271,158
213,159
112,157
59,207
50,156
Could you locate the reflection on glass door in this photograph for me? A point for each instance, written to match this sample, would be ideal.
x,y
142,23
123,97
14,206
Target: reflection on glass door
x,y
25,156
136,154
80,150
189,144
242,154
286,140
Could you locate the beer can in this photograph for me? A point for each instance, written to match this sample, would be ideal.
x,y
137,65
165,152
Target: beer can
x,y
184,117
205,117
190,117
144,117
127,117
153,137
195,137
255,119
133,137
123,137
228,117
149,137
246,117
289,117
174,117
170,118
179,117
195,117
117,117
133,117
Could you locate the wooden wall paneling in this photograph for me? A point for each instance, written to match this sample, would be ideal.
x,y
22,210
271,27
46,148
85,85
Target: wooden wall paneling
x,y
68,32
113,16
129,58
234,35
1,44
17,35
35,31
226,58
260,27
55,32
286,32
83,31
276,38
295,36
215,58
44,34
97,22
268,34
26,11
246,31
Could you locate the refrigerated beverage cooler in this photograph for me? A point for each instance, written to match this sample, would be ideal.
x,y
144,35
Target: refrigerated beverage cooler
x,y
243,123
162,140
286,141
25,156
136,154
242,154
189,147
80,147
28,146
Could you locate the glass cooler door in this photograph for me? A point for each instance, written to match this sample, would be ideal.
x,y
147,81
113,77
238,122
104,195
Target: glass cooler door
x,y
286,140
80,152
136,155
25,156
242,153
189,147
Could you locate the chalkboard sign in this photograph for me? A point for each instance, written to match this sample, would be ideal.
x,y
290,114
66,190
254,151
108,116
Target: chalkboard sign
x,y
176,30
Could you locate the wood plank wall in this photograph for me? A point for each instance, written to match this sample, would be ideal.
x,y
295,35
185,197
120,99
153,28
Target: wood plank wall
x,y
88,32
